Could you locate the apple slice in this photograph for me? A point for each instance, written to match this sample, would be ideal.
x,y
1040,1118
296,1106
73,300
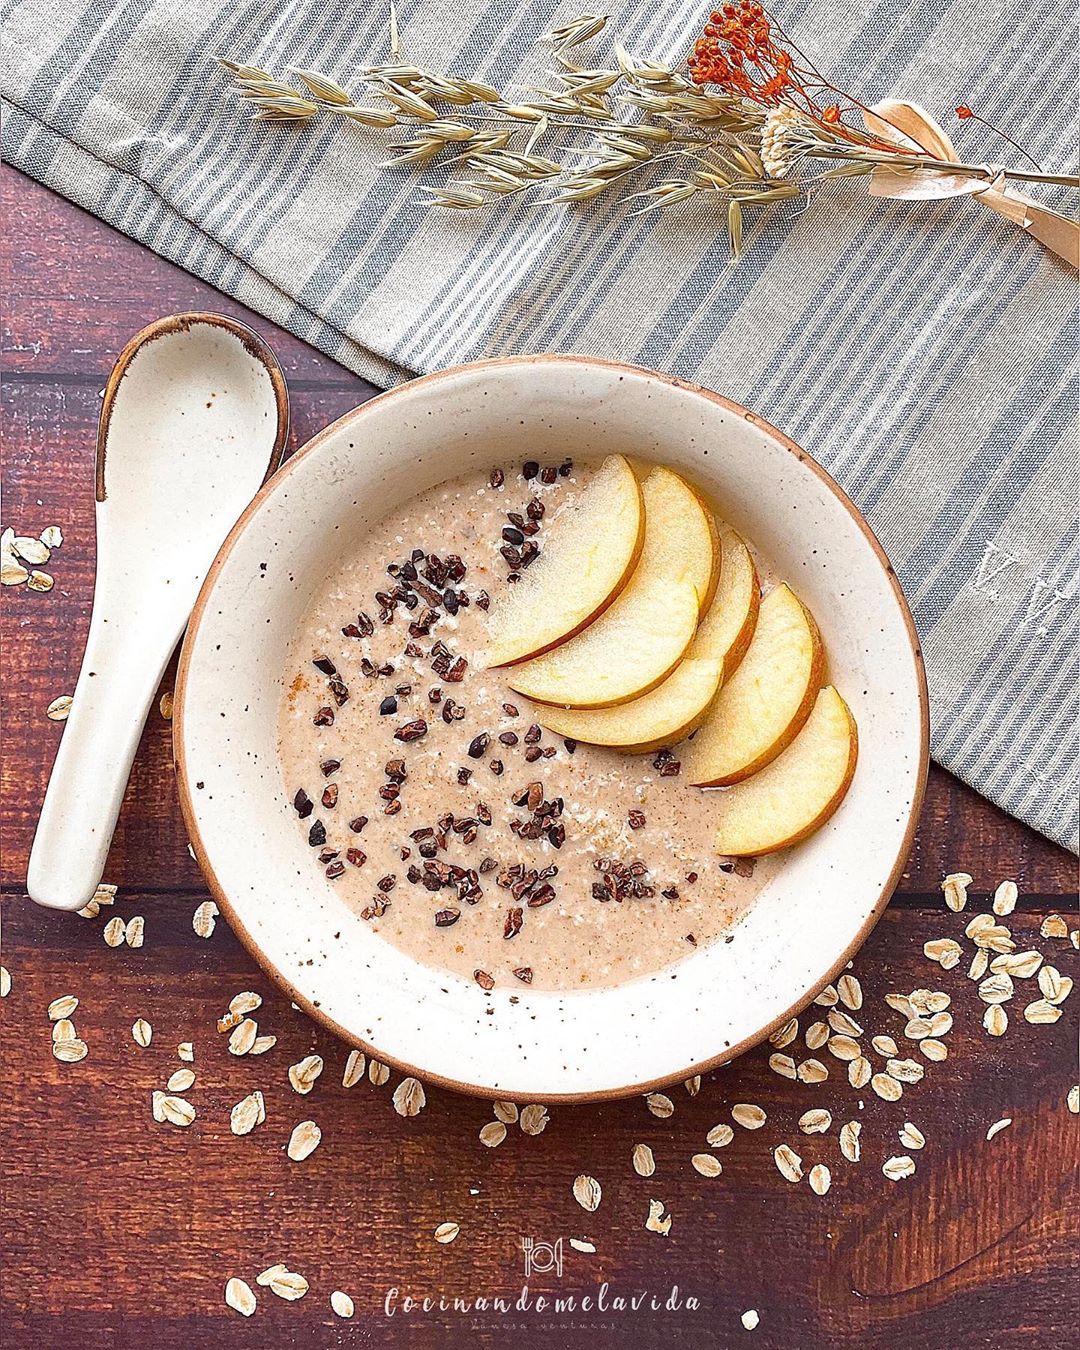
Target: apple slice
x,y
590,552
762,707
642,636
726,629
798,791
665,715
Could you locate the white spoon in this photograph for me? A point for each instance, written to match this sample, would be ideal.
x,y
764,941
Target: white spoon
x,y
194,418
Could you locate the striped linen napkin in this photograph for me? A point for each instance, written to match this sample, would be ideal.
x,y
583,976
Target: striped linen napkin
x,y
924,352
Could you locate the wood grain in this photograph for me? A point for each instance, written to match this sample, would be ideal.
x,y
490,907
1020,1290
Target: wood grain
x,y
119,1231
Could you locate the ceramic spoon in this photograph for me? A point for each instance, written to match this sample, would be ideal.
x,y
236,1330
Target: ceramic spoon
x,y
194,418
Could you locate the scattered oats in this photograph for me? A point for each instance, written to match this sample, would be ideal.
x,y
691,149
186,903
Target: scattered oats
x,y
1074,939
1055,987
52,536
104,895
917,1028
849,1140
945,951
843,1047
899,1168
788,1162
707,1164
693,1085
70,1050
658,1222
30,550
842,1023
586,1192
134,930
659,1105
901,1003
12,572
936,1051
887,1087
955,891
204,920
58,709
1020,965
354,1068
507,1112
812,1071
784,1065
580,1245
958,879
938,1001
262,1044
828,997
289,1285
750,1319
242,1037
816,1121
979,963
245,1002
377,1072
304,1140
817,1033
884,1045
62,1007
5,981
156,1108
493,1133
850,991
342,1304
177,1111
271,1273
142,1032
749,1116
39,581
247,1113
1041,1012
911,1136
859,1071
996,1020
534,1119
1072,1101
720,1136
186,1051
1005,898
239,1297
996,988
165,705
984,932
304,1074
643,1160
181,1080
64,1030
409,1096
786,1034
1054,926
113,932
820,1179
905,1070
998,1126
447,1232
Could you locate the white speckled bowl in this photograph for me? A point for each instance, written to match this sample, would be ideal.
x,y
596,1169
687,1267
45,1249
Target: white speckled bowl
x,y
519,1043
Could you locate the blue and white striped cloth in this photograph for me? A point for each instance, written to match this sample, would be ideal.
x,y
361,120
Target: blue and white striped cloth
x,y
924,353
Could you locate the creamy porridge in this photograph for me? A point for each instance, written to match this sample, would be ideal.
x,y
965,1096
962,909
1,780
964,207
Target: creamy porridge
x,y
434,802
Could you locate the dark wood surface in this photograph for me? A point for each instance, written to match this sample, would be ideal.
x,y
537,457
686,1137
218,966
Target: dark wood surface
x,y
118,1231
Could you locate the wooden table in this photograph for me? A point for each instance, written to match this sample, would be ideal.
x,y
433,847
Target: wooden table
x,y
120,1231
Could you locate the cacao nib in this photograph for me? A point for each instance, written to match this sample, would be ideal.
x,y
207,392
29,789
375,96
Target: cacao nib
x,y
530,469
444,918
566,468
535,509
395,770
335,870
317,834
456,673
548,474
329,766
483,979
483,600
496,478
411,731
533,734
463,776
524,974
357,824
508,737
496,767
324,717
303,803
478,745
324,664
356,856
387,883
513,536
388,706
636,819
512,926
330,796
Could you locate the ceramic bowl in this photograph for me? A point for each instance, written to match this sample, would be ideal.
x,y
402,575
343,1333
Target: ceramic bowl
x,y
520,1043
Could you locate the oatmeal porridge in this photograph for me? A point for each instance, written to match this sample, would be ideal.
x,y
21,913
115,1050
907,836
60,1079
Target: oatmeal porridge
x,y
433,800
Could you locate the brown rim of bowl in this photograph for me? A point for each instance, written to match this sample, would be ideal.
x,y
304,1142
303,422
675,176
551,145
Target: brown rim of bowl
x,y
474,1089
179,323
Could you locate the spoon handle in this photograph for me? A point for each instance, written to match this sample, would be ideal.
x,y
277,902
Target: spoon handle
x,y
101,735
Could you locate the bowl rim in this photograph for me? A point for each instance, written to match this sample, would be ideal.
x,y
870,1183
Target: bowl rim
x,y
187,802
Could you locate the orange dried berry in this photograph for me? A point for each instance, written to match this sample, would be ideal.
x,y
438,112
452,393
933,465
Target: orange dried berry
x,y
964,111
831,114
